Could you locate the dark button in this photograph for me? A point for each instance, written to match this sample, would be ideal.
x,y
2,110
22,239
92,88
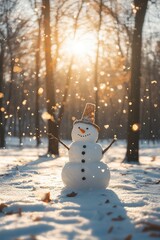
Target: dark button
x,y
83,153
83,161
83,178
84,146
82,170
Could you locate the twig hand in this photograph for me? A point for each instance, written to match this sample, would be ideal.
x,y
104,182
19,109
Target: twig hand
x,y
53,137
106,149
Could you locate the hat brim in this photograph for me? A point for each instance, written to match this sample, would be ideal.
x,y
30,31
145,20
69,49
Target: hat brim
x,y
87,122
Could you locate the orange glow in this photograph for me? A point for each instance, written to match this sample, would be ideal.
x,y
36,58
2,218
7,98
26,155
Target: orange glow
x,y
1,95
47,116
17,69
135,127
2,109
40,91
83,47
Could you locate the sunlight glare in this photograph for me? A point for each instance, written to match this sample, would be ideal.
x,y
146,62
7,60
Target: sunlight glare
x,y
81,47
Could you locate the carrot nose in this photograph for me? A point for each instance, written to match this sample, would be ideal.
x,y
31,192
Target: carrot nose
x,y
82,130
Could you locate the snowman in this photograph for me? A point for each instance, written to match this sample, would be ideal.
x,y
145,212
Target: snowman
x,y
85,170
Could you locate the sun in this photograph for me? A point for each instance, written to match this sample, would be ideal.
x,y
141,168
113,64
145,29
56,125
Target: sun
x,y
81,47
78,47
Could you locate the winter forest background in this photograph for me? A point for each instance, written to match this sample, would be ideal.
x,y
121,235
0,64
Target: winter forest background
x,y
57,55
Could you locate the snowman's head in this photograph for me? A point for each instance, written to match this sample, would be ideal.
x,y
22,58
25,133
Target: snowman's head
x,y
84,132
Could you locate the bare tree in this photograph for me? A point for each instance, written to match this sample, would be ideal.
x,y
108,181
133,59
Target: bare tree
x,y
54,123
37,63
50,88
2,128
132,155
7,36
96,67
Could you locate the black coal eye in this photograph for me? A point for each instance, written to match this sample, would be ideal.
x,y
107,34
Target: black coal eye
x,y
79,127
86,128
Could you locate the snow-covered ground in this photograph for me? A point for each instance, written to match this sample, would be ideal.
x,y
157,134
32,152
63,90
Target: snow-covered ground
x,y
35,205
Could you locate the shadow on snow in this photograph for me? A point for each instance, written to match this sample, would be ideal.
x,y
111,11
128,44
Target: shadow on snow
x,y
103,214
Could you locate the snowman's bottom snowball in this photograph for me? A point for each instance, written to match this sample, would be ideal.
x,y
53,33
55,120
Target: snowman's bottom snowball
x,y
86,176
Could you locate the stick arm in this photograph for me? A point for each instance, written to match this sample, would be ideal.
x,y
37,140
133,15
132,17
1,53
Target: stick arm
x,y
106,149
53,137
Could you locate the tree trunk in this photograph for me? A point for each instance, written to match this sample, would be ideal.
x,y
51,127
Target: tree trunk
x,y
37,124
96,68
50,90
10,90
132,154
2,130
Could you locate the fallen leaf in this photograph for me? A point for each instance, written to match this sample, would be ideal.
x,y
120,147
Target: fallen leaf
x,y
110,229
46,198
129,237
152,168
119,218
107,201
153,158
36,218
10,213
157,235
33,237
72,194
151,227
109,213
157,182
2,206
20,212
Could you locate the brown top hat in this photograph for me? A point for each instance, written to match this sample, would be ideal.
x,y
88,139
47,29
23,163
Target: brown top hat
x,y
88,115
